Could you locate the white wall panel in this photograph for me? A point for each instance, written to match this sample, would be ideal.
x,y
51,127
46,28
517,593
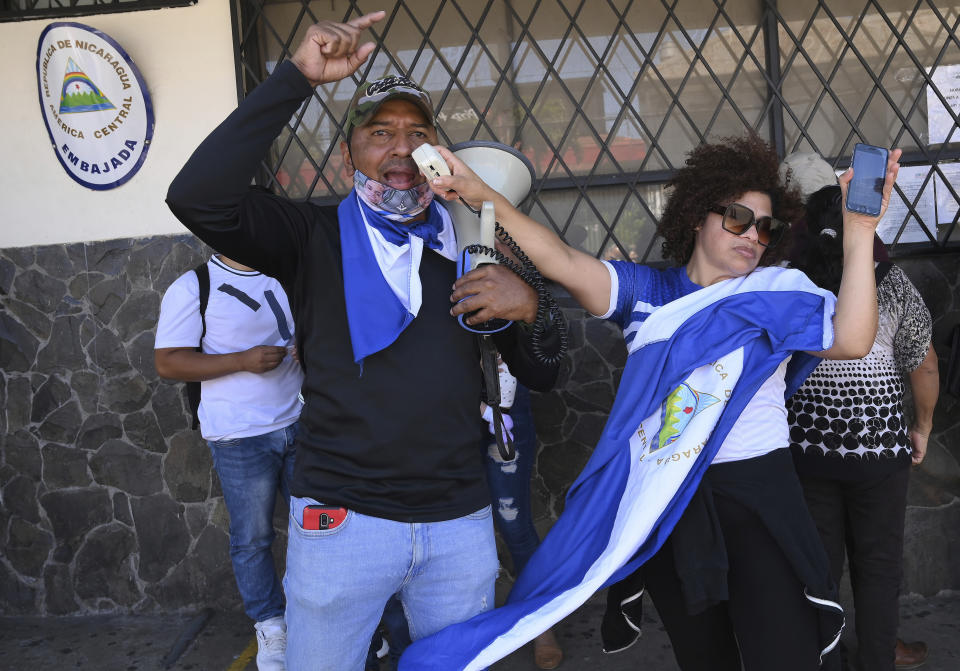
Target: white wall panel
x,y
186,58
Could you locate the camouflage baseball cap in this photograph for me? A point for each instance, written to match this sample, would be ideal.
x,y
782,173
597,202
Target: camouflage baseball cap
x,y
370,95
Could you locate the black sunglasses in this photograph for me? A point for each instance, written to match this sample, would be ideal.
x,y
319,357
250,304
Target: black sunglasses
x,y
738,219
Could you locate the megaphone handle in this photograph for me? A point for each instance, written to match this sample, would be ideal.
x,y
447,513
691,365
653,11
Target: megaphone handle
x,y
547,307
488,225
488,236
466,260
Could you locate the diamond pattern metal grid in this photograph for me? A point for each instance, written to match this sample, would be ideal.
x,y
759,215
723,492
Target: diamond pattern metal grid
x,y
607,96
870,77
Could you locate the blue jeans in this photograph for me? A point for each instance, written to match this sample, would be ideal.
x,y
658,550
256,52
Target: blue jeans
x,y
509,483
338,581
251,470
398,635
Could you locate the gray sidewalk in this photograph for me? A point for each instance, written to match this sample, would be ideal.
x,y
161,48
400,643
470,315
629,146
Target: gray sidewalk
x,y
226,643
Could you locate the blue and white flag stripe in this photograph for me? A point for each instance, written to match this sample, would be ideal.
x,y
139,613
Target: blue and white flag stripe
x,y
720,343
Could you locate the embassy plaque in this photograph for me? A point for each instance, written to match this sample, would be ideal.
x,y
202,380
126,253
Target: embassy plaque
x,y
95,104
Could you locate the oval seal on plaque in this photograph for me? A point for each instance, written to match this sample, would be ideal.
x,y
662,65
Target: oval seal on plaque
x,y
95,104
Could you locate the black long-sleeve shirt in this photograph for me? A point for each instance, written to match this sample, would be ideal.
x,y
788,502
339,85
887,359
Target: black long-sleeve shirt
x,y
398,441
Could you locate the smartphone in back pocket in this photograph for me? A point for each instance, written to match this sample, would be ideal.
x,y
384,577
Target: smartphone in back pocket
x,y
865,194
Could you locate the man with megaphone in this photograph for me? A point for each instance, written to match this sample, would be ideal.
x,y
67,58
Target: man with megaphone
x,y
388,493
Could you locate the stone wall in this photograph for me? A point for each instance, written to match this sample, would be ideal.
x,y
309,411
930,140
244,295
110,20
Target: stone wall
x,y
108,503
932,542
107,498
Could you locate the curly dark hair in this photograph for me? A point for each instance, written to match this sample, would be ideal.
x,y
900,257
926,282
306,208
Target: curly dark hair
x,y
716,174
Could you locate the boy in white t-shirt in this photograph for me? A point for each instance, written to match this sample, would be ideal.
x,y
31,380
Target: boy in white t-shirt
x,y
248,415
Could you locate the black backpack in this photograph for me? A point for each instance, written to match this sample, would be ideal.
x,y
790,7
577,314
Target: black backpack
x,y
193,388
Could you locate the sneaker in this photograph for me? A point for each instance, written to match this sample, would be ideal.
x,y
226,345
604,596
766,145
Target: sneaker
x,y
271,644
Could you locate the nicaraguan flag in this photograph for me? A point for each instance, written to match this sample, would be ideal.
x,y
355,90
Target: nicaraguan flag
x,y
692,367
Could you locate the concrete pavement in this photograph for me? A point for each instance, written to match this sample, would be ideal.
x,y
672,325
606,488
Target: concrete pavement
x,y
225,641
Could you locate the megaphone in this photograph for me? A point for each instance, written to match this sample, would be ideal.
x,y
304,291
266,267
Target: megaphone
x,y
506,171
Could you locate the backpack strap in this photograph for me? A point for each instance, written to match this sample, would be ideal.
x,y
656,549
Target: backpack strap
x,y
193,388
203,278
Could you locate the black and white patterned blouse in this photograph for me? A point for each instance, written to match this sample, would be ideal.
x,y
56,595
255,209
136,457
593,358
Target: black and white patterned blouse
x,y
846,420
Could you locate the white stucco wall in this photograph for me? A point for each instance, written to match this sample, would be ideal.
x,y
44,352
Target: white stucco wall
x,y
186,58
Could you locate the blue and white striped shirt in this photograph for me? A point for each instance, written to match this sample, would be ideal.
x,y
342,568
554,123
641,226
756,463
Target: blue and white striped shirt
x,y
636,291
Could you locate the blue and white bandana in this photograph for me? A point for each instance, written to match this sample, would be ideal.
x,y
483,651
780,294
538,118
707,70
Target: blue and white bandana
x,y
381,264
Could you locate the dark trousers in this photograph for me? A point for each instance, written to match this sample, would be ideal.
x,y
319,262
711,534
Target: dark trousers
x,y
865,519
766,622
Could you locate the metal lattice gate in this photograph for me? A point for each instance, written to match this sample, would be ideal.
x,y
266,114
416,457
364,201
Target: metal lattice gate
x,y
607,96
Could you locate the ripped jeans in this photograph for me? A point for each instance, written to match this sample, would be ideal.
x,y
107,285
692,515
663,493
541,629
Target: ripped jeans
x,y
509,484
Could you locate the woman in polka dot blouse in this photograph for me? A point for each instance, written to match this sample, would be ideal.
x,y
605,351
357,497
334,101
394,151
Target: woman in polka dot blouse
x,y
852,444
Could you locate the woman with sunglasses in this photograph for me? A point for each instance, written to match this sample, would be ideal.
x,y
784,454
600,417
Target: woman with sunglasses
x,y
724,218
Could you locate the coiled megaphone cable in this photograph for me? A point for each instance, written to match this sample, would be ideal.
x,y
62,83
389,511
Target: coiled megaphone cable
x,y
547,306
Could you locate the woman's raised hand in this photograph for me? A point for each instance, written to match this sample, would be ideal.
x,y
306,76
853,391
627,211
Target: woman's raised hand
x,y
462,182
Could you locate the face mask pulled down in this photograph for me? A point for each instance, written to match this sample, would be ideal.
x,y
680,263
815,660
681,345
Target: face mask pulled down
x,y
394,204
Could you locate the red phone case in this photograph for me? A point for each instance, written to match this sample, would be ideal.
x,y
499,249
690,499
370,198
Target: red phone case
x,y
316,518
